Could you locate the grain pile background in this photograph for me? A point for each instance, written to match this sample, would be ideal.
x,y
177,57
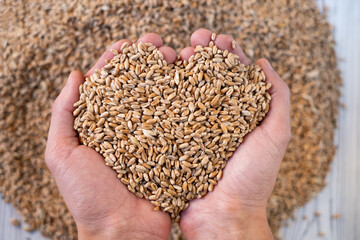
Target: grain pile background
x,y
42,41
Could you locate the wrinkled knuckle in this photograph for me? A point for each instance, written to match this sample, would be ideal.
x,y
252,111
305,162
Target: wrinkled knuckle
x,y
286,90
48,159
50,163
55,155
286,137
55,105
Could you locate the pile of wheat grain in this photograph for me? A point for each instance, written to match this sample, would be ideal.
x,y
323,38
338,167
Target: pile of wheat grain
x,y
168,130
42,41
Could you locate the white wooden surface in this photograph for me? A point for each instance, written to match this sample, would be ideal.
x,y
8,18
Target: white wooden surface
x,y
342,195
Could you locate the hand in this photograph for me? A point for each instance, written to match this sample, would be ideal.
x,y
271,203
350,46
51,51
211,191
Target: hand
x,y
100,203
236,209
102,206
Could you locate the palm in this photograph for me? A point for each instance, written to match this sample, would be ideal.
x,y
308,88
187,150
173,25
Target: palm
x,y
250,174
96,193
248,177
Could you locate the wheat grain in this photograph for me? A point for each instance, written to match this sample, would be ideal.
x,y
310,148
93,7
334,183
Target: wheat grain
x,y
168,122
49,51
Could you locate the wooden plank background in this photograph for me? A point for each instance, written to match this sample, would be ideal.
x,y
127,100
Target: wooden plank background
x,y
342,195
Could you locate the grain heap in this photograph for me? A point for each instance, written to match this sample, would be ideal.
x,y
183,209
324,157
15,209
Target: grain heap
x,y
168,130
41,41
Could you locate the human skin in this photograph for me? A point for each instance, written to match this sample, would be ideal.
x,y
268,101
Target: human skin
x,y
102,206
236,209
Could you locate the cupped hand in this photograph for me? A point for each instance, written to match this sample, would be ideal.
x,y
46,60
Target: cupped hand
x,y
101,205
236,209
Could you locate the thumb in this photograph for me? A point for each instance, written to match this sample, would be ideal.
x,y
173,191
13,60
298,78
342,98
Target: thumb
x,y
277,121
62,136
259,157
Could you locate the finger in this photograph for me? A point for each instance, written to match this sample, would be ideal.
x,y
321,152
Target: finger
x,y
224,42
186,53
107,55
168,53
201,37
151,38
277,119
62,119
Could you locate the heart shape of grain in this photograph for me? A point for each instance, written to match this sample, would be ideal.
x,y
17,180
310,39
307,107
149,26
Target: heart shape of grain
x,y
168,130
